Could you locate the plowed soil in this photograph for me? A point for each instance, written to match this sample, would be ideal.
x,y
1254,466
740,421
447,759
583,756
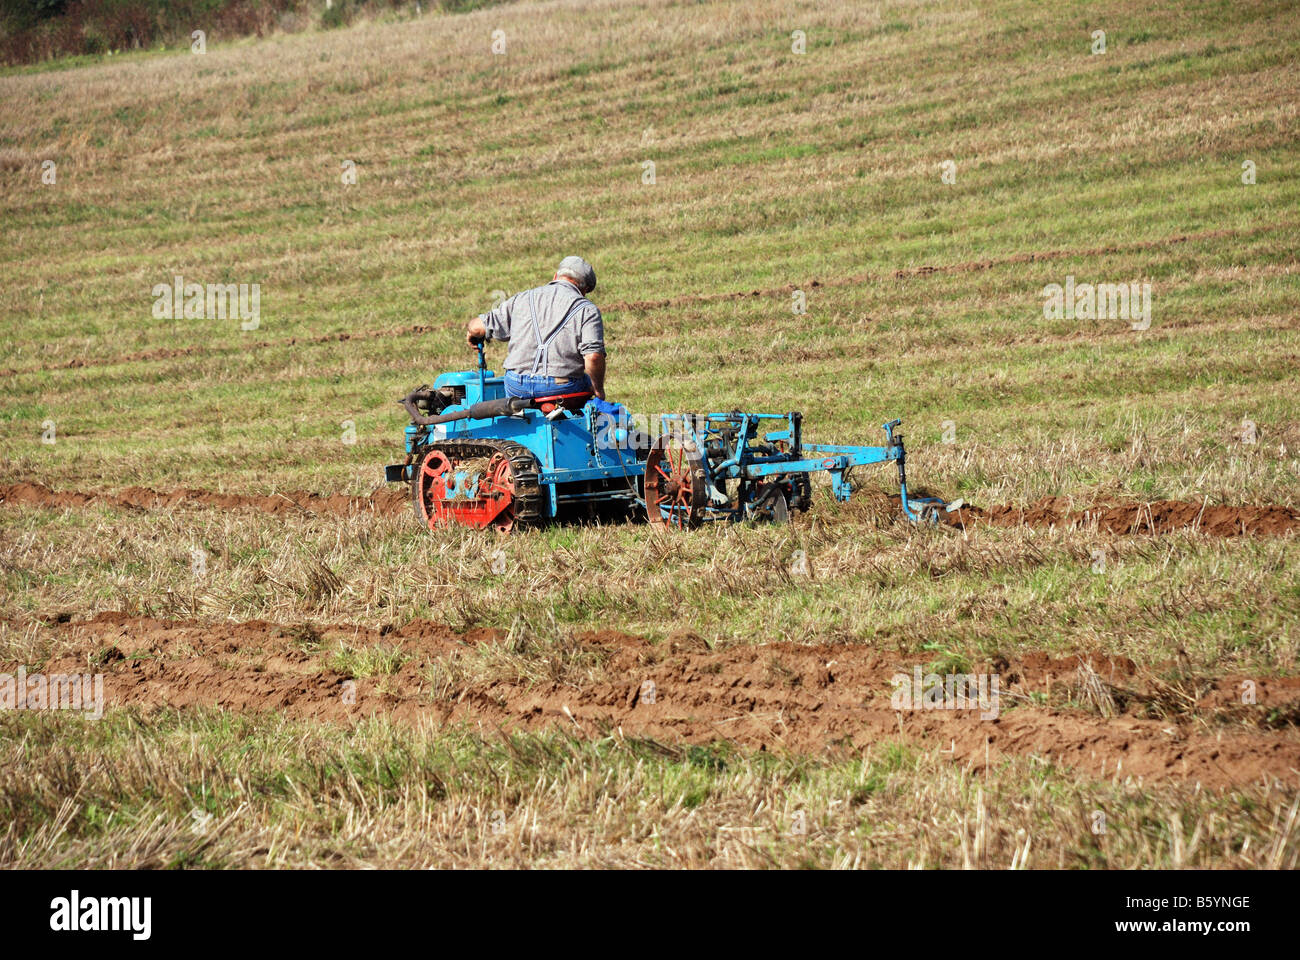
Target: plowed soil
x,y
773,697
1161,516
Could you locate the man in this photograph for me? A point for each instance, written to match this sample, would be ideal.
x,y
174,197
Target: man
x,y
556,335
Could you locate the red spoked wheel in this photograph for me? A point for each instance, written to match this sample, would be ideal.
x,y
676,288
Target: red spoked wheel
x,y
674,484
476,493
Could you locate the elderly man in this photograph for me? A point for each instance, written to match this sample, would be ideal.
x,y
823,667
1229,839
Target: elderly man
x,y
556,335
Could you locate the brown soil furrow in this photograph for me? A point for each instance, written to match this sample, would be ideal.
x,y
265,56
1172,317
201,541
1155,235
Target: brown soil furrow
x,y
773,696
1159,516
967,266
1156,517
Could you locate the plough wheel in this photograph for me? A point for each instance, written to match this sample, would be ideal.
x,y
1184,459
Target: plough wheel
x,y
769,505
674,484
478,485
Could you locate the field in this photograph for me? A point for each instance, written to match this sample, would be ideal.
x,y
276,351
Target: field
x,y
296,675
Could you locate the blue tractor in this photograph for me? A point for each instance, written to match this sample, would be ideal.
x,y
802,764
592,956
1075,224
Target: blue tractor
x,y
478,458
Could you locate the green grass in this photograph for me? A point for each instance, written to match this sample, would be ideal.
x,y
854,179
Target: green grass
x,y
367,661
775,172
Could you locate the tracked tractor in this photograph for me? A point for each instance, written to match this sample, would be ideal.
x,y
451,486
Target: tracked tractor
x,y
478,458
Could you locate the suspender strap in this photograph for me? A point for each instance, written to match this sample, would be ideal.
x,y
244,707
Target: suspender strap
x,y
541,358
532,315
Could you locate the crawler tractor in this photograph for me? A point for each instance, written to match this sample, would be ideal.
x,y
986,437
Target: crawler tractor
x,y
478,458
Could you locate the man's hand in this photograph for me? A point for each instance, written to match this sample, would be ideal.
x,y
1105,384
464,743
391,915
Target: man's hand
x,y
594,364
475,333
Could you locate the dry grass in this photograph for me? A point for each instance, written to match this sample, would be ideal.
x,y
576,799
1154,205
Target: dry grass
x,y
774,171
1093,692
221,791
1227,604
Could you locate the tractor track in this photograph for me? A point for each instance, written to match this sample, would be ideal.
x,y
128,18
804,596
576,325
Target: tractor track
x,y
415,329
527,505
777,696
1111,517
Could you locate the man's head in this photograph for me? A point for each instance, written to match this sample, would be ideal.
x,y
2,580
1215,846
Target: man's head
x,y
579,271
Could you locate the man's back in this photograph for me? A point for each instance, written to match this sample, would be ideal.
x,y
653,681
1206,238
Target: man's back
x,y
551,329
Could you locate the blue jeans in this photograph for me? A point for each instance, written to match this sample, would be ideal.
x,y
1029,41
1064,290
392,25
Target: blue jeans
x,y
528,385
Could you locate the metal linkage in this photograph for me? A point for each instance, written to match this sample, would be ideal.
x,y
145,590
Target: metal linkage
x,y
732,450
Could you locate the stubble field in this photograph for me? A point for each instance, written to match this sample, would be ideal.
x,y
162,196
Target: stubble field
x,y
296,675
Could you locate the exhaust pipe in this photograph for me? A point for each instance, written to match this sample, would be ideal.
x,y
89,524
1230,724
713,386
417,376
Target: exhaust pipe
x,y
483,410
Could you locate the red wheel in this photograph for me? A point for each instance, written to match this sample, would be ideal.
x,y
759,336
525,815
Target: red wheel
x,y
674,484
475,492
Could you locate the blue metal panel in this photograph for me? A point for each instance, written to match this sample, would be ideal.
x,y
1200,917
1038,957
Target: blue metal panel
x,y
631,471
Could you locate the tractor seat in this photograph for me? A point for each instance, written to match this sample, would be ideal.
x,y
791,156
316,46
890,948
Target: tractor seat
x,y
551,406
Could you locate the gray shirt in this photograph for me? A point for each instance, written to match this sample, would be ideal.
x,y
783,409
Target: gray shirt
x,y
582,334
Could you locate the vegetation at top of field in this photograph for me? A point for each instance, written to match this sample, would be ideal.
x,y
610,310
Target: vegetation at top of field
x,y
77,31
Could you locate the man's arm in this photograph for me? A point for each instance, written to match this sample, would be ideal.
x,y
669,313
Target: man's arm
x,y
493,325
591,341
594,363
